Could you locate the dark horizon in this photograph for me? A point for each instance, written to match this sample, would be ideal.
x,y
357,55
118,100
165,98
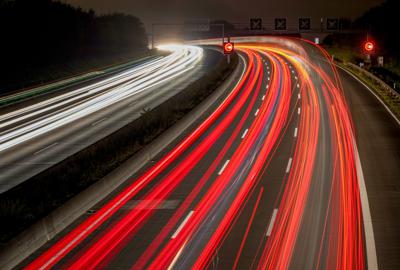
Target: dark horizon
x,y
239,12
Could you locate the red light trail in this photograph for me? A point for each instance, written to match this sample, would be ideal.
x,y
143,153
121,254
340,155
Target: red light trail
x,y
217,199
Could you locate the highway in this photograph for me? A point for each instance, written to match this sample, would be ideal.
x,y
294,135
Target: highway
x,y
271,178
35,135
378,134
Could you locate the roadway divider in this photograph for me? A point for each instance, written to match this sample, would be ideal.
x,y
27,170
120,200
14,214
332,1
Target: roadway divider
x,y
19,248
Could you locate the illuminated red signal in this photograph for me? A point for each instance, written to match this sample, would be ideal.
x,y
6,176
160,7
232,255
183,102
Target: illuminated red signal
x,y
228,47
369,46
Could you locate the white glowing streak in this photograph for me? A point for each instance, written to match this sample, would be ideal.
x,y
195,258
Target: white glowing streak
x,y
119,87
132,74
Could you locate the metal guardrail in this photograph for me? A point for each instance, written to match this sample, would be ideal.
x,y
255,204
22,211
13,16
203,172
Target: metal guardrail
x,y
375,79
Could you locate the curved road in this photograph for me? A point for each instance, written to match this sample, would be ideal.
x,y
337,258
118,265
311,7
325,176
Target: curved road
x,y
270,179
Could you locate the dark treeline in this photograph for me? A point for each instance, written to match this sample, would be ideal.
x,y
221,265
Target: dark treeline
x,y
44,37
380,24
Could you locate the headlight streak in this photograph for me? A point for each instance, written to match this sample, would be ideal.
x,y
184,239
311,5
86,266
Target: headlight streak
x,y
128,89
178,52
96,87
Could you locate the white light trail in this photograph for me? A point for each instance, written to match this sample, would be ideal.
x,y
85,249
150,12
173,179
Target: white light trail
x,y
64,109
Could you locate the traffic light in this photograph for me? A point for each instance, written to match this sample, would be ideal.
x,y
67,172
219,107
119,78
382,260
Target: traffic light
x,y
228,47
369,46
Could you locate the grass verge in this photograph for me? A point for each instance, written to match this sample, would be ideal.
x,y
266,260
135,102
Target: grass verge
x,y
27,203
387,97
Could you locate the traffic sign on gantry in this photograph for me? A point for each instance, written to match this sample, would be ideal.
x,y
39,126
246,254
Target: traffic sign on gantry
x,y
255,24
280,24
304,24
332,24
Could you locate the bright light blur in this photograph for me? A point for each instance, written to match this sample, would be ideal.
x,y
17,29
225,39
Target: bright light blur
x,y
170,47
97,96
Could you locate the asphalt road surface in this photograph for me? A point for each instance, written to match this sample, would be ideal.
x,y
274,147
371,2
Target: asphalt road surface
x,y
35,136
378,138
270,179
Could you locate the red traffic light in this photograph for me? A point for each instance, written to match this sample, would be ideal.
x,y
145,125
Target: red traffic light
x,y
369,46
228,47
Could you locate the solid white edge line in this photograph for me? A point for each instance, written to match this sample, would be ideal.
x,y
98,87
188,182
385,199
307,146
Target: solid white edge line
x,y
272,222
44,149
372,92
295,132
133,103
223,167
289,165
244,133
182,225
98,121
372,260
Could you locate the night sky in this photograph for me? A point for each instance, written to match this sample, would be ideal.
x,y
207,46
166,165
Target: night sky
x,y
233,10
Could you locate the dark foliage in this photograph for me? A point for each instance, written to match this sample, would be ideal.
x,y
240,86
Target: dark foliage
x,y
40,37
382,23
387,76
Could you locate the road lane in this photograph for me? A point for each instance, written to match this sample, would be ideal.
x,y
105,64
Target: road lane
x,y
19,163
377,135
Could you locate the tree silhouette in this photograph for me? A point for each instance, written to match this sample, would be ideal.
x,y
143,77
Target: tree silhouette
x,y
41,37
382,23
